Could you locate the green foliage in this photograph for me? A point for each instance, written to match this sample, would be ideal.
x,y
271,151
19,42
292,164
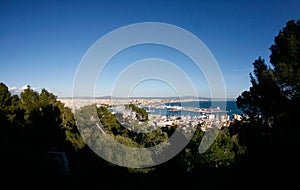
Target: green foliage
x,y
75,139
221,153
5,101
109,121
117,149
285,56
87,115
4,96
69,125
273,100
106,147
270,131
152,138
43,122
275,90
89,125
264,98
29,100
142,115
38,118
126,141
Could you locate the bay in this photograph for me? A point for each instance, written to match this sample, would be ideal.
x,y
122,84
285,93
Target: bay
x,y
228,106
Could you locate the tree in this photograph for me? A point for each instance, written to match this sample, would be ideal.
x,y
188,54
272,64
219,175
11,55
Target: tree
x,y
38,119
263,100
142,115
105,139
272,105
109,121
4,103
69,125
152,138
4,96
221,153
273,100
285,58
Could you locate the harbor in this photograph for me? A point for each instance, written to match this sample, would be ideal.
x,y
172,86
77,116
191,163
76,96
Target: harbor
x,y
173,114
167,112
187,109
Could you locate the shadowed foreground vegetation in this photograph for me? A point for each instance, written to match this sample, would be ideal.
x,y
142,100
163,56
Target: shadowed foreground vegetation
x,y
261,150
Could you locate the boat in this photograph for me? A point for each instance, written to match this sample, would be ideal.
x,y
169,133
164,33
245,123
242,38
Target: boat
x,y
174,108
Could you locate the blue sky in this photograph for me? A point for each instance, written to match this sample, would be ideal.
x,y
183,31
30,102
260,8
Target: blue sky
x,y
43,42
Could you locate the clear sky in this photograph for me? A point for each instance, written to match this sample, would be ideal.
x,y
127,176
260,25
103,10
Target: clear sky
x,y
43,42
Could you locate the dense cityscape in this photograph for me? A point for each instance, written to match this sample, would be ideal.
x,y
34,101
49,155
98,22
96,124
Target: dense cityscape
x,y
173,116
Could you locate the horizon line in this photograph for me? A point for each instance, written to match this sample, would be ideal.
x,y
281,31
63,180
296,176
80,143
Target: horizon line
x,y
146,97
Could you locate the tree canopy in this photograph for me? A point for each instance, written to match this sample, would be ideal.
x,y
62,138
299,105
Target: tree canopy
x,y
270,129
273,98
32,124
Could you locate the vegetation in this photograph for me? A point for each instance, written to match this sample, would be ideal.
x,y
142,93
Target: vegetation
x,y
141,113
34,124
271,106
272,102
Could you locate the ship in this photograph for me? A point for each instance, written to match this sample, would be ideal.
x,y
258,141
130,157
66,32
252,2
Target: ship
x,y
174,108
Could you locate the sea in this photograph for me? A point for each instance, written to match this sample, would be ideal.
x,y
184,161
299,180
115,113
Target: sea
x,y
228,107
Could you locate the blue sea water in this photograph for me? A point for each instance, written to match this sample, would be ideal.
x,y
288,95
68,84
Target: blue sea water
x,y
229,106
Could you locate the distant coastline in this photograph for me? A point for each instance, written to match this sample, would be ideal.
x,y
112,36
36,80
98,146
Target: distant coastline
x,y
192,102
182,99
